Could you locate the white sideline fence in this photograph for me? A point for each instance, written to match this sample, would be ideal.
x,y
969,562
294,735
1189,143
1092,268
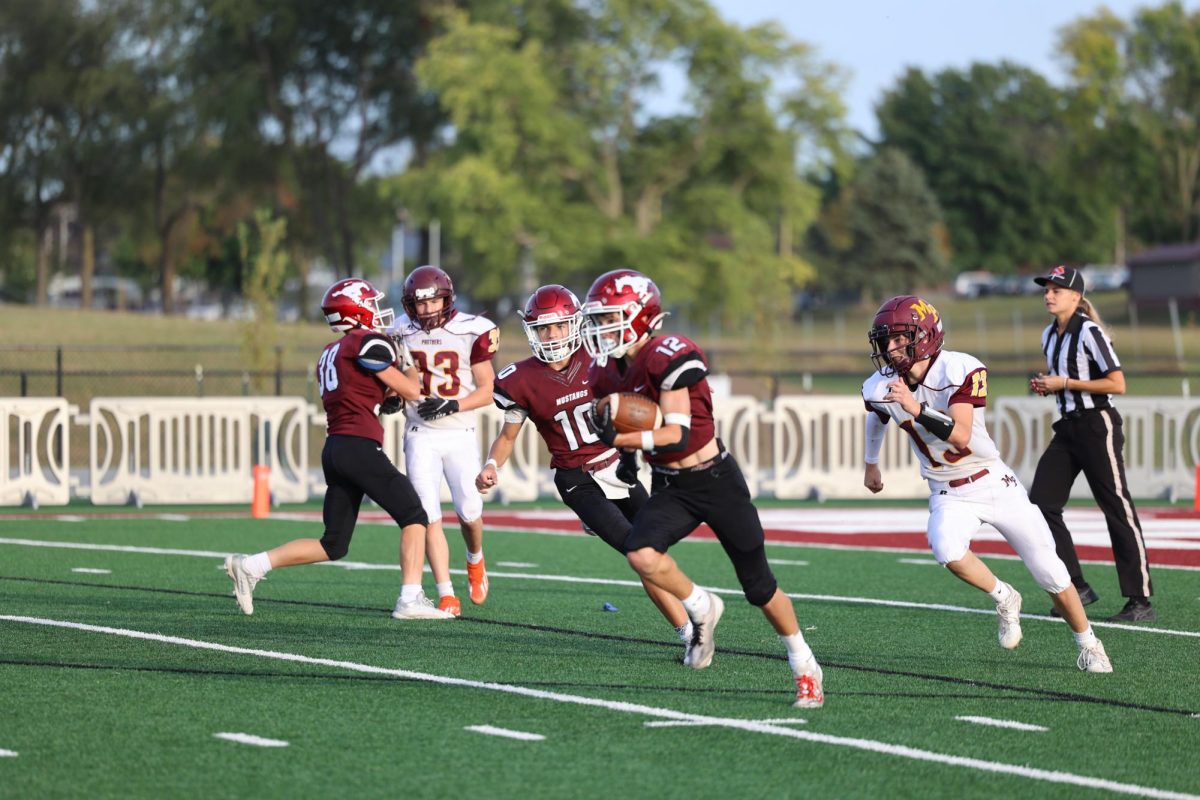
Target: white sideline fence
x,y
160,450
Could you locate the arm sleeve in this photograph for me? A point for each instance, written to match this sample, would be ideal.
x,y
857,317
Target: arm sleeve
x,y
686,370
876,428
485,346
1096,342
376,354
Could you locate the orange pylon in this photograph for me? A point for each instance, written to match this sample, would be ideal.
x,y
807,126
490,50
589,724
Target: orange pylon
x,y
260,505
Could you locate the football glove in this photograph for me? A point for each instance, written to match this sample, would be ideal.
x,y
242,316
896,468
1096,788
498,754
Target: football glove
x,y
627,467
391,405
432,408
602,422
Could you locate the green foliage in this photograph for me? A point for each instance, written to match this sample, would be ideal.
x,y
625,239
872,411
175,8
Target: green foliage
x,y
552,152
994,148
261,248
884,234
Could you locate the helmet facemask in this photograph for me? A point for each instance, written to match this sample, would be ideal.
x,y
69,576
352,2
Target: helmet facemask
x,y
550,351
602,339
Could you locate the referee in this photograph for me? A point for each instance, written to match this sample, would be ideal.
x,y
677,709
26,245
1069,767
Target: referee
x,y
1084,372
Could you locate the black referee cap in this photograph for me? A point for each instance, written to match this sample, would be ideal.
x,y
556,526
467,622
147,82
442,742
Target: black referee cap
x,y
1062,276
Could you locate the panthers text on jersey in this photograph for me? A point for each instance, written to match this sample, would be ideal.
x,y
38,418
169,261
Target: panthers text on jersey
x,y
952,378
557,402
664,363
349,389
443,357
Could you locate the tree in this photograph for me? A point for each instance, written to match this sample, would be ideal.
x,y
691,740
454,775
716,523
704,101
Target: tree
x,y
884,234
551,150
994,146
1136,97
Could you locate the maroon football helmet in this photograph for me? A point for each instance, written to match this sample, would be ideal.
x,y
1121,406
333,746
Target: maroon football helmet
x,y
631,295
546,306
426,283
354,303
913,317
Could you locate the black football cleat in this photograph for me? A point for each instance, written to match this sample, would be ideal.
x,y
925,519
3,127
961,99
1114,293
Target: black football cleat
x,y
1138,609
1087,596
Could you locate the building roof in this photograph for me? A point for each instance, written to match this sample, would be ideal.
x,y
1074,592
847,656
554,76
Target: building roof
x,y
1167,254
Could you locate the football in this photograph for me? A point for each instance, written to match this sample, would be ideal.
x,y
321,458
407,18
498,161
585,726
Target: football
x,y
633,412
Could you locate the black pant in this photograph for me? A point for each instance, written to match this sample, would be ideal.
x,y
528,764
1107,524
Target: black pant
x,y
717,495
355,466
611,520
1093,442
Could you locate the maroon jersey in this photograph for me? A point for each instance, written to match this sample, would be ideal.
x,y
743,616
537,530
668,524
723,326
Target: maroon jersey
x,y
350,391
558,404
664,363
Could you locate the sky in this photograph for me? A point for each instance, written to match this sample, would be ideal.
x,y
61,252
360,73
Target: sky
x,y
876,40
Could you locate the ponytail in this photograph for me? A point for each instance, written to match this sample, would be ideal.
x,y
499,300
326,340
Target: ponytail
x,y
1086,307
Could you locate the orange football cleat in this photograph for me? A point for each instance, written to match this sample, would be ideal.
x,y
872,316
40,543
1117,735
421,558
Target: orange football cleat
x,y
451,605
477,577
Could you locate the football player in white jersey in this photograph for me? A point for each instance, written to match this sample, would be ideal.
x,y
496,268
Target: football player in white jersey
x,y
937,397
452,352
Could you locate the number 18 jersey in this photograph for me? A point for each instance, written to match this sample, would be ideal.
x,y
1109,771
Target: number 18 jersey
x,y
952,378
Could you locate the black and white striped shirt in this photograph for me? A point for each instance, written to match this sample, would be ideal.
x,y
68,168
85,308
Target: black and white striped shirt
x,y
1084,352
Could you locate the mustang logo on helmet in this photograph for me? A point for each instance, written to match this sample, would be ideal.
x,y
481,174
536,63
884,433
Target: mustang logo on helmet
x,y
354,291
638,284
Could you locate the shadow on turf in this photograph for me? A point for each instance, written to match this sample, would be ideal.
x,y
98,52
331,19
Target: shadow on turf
x,y
1020,690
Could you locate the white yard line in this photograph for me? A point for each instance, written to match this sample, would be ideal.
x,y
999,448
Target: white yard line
x,y
91,571
1002,723
921,561
788,563
506,733
516,564
362,565
866,745
674,723
249,738
8,754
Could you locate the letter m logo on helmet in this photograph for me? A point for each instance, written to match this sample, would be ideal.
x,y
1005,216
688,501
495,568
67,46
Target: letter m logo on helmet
x,y
922,309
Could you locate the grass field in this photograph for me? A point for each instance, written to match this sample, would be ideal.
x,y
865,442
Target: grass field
x,y
116,683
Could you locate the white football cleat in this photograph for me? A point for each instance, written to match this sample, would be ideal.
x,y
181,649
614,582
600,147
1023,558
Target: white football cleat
x,y
419,608
1009,612
1094,659
810,687
703,643
243,583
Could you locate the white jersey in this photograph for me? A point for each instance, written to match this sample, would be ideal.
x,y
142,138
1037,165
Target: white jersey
x,y
952,378
443,358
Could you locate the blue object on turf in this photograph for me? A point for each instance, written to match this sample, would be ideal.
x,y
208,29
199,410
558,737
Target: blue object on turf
x,y
610,607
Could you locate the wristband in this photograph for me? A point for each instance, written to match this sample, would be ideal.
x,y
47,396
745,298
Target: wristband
x,y
647,440
492,462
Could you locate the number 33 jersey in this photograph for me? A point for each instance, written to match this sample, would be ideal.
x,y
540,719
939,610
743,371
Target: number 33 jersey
x,y
443,358
952,378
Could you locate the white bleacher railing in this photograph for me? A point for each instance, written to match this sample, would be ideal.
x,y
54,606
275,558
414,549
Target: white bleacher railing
x,y
196,450
203,450
34,448
1162,441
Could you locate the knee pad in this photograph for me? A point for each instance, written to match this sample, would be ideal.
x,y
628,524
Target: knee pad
x,y
335,546
754,574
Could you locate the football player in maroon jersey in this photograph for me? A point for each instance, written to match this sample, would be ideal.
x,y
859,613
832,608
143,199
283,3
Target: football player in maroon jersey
x,y
360,375
551,389
695,480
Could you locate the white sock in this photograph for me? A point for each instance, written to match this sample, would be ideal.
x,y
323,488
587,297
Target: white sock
x,y
1001,592
445,589
1085,639
257,565
410,592
474,558
697,603
800,655
685,632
